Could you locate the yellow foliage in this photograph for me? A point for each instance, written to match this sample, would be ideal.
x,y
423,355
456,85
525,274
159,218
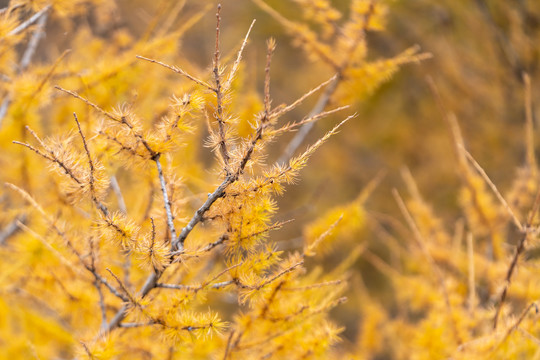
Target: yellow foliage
x,y
145,152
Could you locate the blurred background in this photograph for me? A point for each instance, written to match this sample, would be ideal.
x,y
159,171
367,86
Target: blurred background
x,y
480,51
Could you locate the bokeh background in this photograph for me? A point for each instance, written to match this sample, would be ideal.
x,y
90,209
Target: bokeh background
x,y
480,51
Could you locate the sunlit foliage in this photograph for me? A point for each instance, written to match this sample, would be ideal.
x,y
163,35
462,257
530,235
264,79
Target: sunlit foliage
x,y
146,212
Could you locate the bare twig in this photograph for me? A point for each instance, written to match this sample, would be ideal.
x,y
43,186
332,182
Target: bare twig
x,y
115,321
89,103
515,326
529,127
51,156
292,126
271,46
127,297
280,274
111,288
493,188
314,286
227,348
236,64
166,201
98,203
309,249
219,99
178,71
205,249
520,247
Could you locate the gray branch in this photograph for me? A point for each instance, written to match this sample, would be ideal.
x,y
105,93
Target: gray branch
x,y
304,130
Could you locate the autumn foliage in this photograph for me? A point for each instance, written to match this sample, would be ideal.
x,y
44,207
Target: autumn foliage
x,y
186,180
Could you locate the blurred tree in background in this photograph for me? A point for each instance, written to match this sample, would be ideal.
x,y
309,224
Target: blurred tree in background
x,y
186,213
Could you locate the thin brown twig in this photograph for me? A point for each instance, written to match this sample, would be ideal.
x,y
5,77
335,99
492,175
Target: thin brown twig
x,y
270,48
121,119
51,156
127,297
529,336
493,188
98,203
515,326
280,274
104,281
228,347
314,286
33,149
465,170
529,127
218,115
205,249
205,284
88,102
178,71
520,247
309,249
236,63
293,126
